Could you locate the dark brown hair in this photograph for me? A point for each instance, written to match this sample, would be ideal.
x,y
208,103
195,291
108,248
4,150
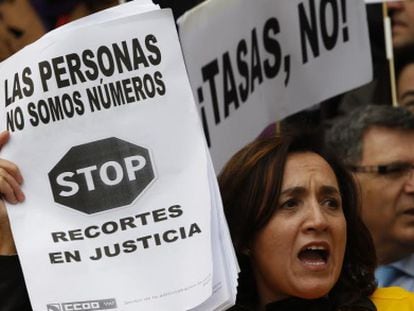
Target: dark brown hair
x,y
250,186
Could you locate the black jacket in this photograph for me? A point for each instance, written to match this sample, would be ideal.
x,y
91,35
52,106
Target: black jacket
x,y
321,304
13,292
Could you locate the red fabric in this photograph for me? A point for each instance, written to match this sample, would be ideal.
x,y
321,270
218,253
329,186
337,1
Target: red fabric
x,y
61,20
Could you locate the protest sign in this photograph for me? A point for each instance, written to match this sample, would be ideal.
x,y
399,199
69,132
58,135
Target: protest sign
x,y
253,62
225,262
118,210
379,1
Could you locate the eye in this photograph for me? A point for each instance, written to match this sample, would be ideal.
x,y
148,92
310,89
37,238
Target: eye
x,y
408,104
289,204
394,170
332,203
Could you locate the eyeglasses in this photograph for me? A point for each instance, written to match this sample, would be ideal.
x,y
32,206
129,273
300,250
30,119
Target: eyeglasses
x,y
397,169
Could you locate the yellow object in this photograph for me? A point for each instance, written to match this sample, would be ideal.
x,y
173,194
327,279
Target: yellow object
x,y
393,299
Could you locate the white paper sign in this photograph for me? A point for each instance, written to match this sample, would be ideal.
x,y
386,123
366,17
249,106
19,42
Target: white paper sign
x,y
106,134
379,1
253,62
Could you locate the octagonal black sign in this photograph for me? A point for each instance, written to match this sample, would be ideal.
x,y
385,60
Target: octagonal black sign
x,y
101,175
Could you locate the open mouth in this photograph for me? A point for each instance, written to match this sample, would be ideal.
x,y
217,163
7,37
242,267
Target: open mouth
x,y
314,255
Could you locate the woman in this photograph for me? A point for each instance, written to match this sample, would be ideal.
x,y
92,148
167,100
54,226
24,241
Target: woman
x,y
293,216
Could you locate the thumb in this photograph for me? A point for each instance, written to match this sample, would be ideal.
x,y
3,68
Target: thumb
x,y
4,138
7,246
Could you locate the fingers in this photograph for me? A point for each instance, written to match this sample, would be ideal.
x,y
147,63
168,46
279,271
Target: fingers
x,y
11,169
10,176
10,188
4,138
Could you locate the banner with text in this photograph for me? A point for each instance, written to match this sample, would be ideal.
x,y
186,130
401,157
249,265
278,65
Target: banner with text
x,y
118,205
253,62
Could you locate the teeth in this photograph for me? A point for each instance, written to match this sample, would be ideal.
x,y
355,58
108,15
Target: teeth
x,y
314,248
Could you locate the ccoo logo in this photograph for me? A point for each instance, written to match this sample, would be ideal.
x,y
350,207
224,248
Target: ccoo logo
x,y
91,305
101,175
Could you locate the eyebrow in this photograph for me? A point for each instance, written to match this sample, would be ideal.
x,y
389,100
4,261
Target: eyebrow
x,y
325,190
293,191
329,190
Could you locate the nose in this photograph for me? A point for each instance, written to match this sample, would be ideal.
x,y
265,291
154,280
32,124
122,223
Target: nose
x,y
395,5
409,185
316,219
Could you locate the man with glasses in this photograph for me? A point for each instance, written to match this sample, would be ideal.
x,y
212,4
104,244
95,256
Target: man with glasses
x,y
377,144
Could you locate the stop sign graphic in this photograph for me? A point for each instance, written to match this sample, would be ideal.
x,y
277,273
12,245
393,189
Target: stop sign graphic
x,y
101,175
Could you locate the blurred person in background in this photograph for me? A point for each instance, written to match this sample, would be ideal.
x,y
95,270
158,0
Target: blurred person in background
x,y
402,22
24,21
404,68
377,145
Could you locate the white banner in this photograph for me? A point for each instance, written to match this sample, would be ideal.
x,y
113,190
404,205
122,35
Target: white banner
x,y
379,1
118,205
253,62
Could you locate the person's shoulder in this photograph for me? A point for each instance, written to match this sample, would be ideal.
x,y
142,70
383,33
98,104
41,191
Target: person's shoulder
x,y
392,293
393,298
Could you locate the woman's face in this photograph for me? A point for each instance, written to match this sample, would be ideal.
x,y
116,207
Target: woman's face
x,y
301,249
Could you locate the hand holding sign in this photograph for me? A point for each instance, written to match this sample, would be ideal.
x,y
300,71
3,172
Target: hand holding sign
x,y
121,191
10,180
